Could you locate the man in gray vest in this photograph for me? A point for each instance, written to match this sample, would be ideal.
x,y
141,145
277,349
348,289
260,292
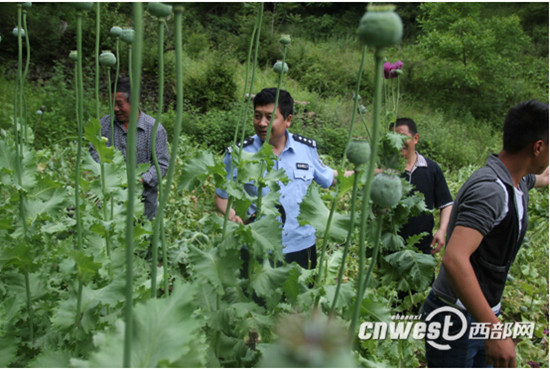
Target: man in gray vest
x,y
486,229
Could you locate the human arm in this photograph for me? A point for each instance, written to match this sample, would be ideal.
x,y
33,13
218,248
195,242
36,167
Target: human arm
x,y
462,244
541,180
150,177
347,173
439,237
221,204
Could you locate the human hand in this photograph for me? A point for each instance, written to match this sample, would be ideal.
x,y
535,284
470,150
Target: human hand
x,y
235,218
438,241
501,353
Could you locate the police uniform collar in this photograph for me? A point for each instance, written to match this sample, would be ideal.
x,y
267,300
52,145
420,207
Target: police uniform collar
x,y
289,141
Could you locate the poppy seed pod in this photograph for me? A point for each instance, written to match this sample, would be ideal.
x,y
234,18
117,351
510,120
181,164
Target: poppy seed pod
x,y
15,32
380,27
115,31
358,152
127,35
107,59
80,5
278,67
285,39
386,190
159,10
73,55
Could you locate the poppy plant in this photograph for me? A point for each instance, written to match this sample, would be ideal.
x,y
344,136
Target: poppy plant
x,y
392,70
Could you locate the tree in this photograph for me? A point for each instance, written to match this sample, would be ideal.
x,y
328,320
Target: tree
x,y
471,59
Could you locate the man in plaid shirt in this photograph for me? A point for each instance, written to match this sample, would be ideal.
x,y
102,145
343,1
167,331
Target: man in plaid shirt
x,y
145,125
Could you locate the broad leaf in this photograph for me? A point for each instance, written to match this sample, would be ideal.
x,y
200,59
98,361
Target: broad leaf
x,y
51,359
8,350
209,266
165,332
92,132
414,270
198,168
313,211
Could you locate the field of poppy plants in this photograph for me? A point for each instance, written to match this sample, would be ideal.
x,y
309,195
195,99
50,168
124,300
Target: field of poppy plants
x,y
88,281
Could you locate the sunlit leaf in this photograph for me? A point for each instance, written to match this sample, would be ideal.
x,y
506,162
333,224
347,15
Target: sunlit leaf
x,y
165,332
313,211
220,272
414,270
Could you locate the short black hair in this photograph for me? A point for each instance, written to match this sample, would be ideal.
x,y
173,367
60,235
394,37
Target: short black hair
x,y
267,96
405,122
524,124
123,85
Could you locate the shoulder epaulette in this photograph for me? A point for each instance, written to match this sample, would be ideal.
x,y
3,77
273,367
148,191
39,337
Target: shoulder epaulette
x,y
247,142
306,141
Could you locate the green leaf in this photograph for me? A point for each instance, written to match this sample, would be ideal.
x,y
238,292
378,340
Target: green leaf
x,y
198,168
8,350
291,286
87,268
165,333
345,295
20,256
414,270
51,359
64,316
373,308
390,150
92,130
267,237
209,266
47,199
269,279
314,211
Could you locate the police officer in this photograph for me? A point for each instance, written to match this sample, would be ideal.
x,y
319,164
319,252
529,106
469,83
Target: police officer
x,y
298,156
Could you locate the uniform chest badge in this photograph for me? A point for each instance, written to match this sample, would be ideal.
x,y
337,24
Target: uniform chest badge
x,y
303,166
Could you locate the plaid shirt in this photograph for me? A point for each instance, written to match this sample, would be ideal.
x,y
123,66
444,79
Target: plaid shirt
x,y
144,153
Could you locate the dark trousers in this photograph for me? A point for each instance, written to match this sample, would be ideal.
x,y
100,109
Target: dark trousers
x,y
464,352
306,258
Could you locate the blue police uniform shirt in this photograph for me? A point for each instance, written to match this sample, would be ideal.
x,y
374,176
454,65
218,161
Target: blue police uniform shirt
x,y
302,164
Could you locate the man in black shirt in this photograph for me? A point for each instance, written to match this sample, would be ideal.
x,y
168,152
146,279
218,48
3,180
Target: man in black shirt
x,y
427,177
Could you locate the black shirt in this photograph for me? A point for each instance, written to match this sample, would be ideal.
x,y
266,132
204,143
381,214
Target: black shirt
x,y
426,177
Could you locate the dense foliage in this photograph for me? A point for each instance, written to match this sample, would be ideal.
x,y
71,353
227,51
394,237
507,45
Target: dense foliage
x,y
64,306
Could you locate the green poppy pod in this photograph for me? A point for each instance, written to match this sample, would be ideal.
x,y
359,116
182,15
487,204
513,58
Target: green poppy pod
x,y
80,5
386,190
278,67
285,39
15,32
73,55
159,10
358,152
380,27
115,31
107,59
127,35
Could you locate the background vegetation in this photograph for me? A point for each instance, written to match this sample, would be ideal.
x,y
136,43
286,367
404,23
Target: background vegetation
x,y
464,65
